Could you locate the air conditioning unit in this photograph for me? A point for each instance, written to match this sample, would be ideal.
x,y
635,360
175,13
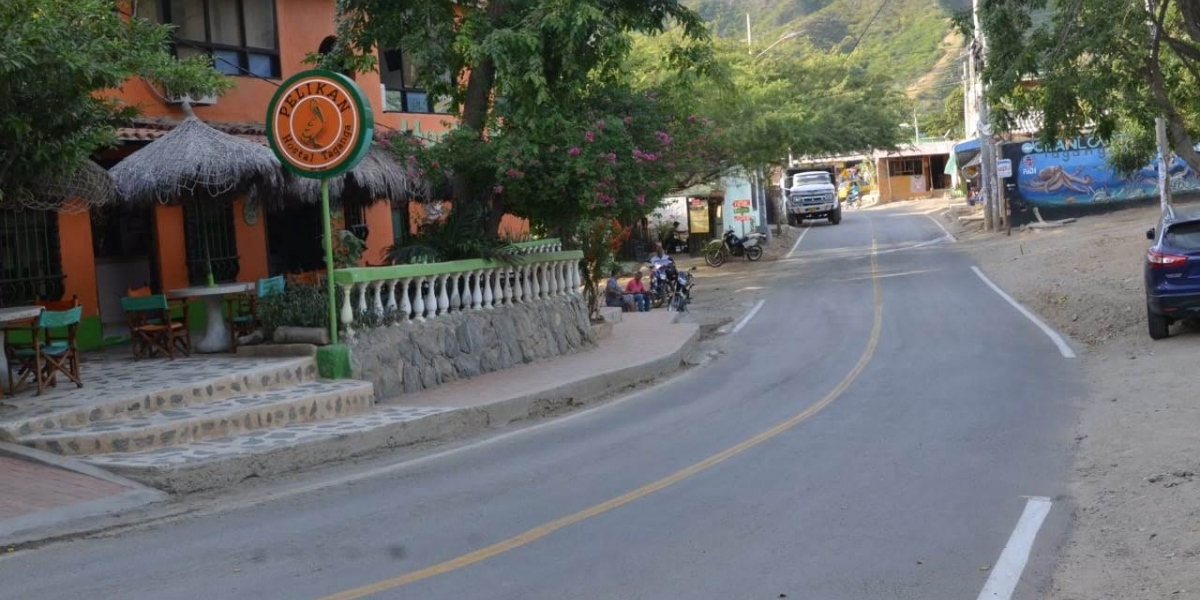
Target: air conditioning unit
x,y
201,101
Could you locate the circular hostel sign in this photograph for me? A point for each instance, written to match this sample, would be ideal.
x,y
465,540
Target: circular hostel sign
x,y
319,124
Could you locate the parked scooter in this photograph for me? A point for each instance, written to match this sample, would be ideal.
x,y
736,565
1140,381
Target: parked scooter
x,y
730,244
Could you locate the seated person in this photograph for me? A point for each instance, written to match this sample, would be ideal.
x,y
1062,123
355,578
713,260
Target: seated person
x,y
660,257
640,296
614,296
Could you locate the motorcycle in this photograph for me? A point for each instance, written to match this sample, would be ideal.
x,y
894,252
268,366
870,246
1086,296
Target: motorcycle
x,y
854,198
730,244
670,287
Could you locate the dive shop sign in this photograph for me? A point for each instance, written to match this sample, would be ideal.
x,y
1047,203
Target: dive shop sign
x,y
319,124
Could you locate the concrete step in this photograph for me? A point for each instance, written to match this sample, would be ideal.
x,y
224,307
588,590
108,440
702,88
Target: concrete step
x,y
123,388
308,401
221,462
611,314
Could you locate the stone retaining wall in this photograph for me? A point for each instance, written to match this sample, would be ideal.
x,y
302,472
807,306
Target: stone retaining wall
x,y
413,356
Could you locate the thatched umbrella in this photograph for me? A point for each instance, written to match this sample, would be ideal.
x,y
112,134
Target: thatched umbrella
x,y
90,184
195,159
379,176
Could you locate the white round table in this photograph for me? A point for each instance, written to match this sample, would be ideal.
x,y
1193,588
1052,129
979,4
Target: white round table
x,y
8,315
216,335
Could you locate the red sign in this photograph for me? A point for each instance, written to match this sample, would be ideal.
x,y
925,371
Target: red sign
x,y
743,218
741,204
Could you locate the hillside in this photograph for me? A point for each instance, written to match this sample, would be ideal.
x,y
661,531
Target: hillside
x,y
910,40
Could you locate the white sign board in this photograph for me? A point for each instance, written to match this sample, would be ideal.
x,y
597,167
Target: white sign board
x,y
1004,168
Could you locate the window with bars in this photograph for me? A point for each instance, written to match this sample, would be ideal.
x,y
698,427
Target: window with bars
x,y
398,73
905,166
240,35
354,218
30,257
210,238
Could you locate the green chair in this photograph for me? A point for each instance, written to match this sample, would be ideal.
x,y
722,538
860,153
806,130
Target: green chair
x,y
243,308
50,353
153,328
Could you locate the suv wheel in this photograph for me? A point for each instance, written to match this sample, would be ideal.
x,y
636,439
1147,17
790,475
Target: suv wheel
x,y
1160,326
835,217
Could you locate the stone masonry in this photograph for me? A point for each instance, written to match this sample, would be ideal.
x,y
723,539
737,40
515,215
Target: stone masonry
x,y
415,356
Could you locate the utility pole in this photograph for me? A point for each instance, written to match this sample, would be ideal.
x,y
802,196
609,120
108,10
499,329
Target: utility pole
x,y
749,38
1164,163
987,160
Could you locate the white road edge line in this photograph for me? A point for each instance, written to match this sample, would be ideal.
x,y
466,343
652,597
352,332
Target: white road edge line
x,y
1058,340
1007,573
949,236
750,315
796,246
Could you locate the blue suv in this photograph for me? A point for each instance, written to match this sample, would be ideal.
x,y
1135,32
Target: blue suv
x,y
1173,270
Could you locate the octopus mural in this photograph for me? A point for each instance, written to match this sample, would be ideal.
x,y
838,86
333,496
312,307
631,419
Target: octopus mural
x,y
1055,178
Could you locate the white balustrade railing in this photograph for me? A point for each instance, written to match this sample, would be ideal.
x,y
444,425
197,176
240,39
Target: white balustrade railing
x,y
404,293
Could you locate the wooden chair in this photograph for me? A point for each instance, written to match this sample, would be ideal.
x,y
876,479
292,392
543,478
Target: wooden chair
x,y
48,357
243,308
153,328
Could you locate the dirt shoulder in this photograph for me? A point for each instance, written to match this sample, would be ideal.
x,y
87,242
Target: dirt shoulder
x,y
1136,499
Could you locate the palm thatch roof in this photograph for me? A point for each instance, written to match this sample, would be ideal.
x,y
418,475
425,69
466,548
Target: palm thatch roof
x,y
379,176
90,184
195,159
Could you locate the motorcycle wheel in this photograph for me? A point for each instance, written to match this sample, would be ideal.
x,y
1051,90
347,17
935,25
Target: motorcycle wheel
x,y
754,253
714,258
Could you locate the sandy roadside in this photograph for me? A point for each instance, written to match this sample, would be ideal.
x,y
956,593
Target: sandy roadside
x,y
1136,521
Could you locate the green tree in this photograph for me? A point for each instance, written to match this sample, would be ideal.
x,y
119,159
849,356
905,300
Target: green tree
x,y
518,59
949,119
57,57
801,101
1108,66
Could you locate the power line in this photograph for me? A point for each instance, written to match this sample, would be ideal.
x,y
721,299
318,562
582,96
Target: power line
x,y
868,27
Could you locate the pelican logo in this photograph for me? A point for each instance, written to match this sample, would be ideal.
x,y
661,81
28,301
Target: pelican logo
x,y
319,124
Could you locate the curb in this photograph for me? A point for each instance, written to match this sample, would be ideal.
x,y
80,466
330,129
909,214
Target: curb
x,y
437,428
76,518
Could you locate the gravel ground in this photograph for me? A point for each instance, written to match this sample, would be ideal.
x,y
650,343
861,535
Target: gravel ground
x,y
1135,495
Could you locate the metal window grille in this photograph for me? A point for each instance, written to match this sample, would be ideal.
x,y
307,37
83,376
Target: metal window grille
x,y
31,266
354,218
210,238
905,166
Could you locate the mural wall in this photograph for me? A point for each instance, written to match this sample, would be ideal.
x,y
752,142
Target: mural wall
x,y
1075,172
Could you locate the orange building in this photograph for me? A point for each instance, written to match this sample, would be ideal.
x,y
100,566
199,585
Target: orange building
x,y
97,253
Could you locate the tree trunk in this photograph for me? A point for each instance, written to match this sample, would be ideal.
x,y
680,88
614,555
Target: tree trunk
x,y
476,106
1184,146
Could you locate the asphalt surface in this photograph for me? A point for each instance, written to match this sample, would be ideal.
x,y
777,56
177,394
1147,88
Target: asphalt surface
x,y
909,428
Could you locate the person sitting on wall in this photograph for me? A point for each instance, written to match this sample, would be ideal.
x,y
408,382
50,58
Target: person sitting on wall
x,y
638,291
614,296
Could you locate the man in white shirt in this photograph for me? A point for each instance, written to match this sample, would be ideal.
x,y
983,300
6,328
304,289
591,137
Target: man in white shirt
x,y
659,258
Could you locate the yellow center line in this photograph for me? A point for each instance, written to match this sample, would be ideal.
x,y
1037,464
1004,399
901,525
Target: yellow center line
x,y
546,529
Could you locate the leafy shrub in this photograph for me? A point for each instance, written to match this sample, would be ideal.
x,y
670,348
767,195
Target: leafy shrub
x,y
301,305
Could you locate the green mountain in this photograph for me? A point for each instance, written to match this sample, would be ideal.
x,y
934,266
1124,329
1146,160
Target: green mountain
x,y
911,40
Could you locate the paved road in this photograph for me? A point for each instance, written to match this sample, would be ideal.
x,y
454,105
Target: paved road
x,y
873,432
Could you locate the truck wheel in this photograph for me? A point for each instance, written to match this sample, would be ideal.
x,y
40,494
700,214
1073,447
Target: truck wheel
x,y
1160,326
792,220
754,253
835,217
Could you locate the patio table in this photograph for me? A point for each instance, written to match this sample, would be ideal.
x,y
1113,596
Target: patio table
x,y
13,314
216,334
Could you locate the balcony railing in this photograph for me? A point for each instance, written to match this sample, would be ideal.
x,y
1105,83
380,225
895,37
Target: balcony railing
x,y
403,293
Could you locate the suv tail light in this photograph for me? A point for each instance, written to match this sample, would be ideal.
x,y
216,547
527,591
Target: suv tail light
x,y
1162,260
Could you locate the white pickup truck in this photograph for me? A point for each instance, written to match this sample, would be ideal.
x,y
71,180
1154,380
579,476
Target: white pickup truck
x,y
812,195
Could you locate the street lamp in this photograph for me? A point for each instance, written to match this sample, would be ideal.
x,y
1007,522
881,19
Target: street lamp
x,y
787,36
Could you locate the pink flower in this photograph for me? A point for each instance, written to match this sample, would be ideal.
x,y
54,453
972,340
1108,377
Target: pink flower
x,y
513,174
628,120
641,199
498,190
412,160
574,151
664,138
589,136
601,124
612,158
